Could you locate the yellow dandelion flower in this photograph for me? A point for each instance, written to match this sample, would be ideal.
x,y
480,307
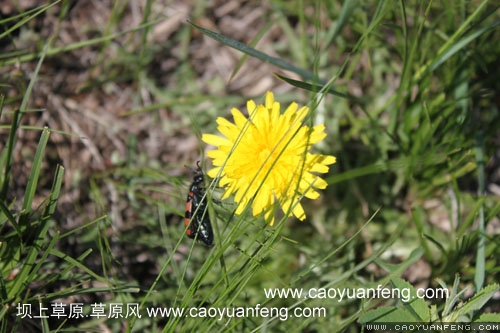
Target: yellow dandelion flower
x,y
266,158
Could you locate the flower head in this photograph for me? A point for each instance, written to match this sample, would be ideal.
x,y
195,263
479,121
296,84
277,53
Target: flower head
x,y
266,158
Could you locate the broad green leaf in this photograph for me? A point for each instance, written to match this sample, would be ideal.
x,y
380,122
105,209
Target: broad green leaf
x,y
488,318
387,314
466,312
417,306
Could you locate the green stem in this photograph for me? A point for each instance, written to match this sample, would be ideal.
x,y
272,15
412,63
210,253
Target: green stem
x,y
480,260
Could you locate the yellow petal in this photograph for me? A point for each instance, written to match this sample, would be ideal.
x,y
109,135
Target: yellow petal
x,y
290,111
240,208
298,212
311,194
328,159
269,100
224,122
296,117
262,200
225,181
317,134
320,183
320,168
215,140
212,173
269,217
239,119
218,156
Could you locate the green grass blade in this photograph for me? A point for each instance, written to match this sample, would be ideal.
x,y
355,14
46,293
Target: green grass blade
x,y
34,177
6,211
26,17
27,93
316,88
6,156
76,263
28,268
418,217
494,211
84,226
348,9
254,42
37,162
258,54
347,241
54,192
460,45
74,46
453,44
481,246
471,217
2,101
70,265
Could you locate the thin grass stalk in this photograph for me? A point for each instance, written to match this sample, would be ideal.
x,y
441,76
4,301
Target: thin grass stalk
x,y
481,244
